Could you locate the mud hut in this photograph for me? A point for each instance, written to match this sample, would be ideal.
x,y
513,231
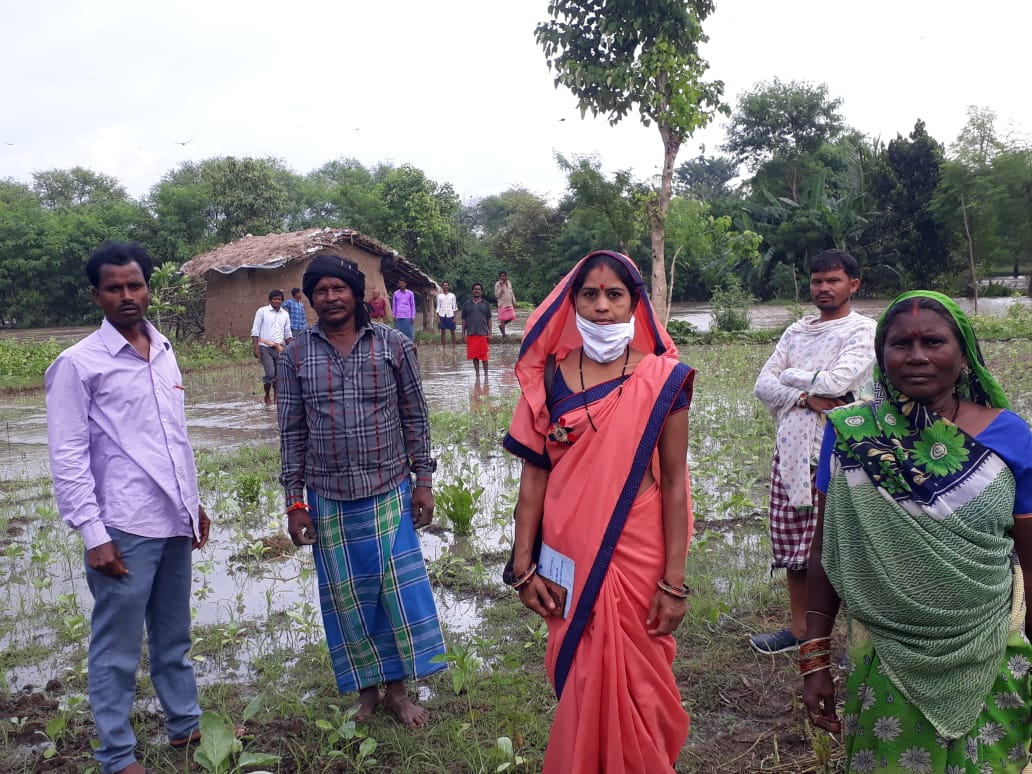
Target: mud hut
x,y
240,275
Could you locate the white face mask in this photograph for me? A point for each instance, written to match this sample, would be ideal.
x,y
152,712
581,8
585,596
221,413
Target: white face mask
x,y
605,343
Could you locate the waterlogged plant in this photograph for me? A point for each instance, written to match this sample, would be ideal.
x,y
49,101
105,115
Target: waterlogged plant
x,y
466,664
446,569
730,306
221,752
538,634
248,488
59,724
342,729
23,362
459,502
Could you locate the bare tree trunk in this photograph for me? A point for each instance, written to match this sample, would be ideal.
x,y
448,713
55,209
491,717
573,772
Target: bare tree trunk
x,y
657,222
971,251
670,288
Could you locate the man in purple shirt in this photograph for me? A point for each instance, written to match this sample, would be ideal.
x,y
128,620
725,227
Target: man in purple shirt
x,y
403,307
125,479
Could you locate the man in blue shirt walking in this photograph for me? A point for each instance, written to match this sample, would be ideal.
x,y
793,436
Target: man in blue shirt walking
x,y
296,309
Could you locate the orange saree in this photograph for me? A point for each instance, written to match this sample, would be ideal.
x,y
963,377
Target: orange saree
x,y
619,706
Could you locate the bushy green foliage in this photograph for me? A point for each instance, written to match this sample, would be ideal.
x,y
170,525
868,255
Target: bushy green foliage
x,y
1016,324
730,306
995,290
23,363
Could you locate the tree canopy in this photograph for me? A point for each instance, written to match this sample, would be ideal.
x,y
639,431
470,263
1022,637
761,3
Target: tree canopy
x,y
782,120
614,55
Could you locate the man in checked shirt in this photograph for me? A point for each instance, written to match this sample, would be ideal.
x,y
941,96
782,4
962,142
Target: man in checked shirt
x,y
354,428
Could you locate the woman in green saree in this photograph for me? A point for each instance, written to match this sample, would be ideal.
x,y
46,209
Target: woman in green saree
x,y
927,496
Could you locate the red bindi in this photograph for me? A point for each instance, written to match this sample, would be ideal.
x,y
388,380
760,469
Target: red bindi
x,y
601,286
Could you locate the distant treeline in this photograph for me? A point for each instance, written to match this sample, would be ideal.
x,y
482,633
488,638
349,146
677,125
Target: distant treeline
x,y
792,180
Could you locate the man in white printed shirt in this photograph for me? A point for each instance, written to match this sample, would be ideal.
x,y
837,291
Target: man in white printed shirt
x,y
820,362
270,332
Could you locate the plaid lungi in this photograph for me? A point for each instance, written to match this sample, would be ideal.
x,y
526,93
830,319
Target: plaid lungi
x,y
791,529
377,606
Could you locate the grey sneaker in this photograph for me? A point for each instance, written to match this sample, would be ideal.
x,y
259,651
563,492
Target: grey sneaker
x,y
775,642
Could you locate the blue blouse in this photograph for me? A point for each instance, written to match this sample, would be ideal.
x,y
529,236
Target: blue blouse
x,y
1008,435
561,391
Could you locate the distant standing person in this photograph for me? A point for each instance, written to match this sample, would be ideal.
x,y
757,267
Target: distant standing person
x,y
447,306
296,309
353,427
125,479
403,306
476,327
377,307
506,301
270,332
819,363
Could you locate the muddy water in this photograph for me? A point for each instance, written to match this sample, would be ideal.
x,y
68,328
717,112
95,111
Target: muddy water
x,y
235,598
225,411
765,316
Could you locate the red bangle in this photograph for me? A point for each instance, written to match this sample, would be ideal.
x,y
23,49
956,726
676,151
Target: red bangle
x,y
295,506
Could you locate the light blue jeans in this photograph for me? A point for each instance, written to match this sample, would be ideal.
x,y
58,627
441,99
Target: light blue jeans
x,y
156,593
404,325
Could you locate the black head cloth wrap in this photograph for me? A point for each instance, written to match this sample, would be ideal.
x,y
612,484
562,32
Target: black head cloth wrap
x,y
333,266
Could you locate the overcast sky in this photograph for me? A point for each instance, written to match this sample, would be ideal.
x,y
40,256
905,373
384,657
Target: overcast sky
x,y
457,88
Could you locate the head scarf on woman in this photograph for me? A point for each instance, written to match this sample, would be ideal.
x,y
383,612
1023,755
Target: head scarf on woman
x,y
912,454
979,386
552,329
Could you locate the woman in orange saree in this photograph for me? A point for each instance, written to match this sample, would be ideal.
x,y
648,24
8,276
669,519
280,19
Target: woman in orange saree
x,y
605,487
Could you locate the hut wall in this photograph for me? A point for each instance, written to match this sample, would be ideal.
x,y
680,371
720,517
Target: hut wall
x,y
232,299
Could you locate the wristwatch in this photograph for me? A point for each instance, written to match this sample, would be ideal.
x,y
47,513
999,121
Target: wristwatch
x,y
801,400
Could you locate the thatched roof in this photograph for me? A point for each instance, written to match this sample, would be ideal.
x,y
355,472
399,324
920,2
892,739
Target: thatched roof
x,y
273,251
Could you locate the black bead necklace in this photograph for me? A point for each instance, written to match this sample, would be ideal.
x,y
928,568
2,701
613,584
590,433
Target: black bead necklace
x,y
584,392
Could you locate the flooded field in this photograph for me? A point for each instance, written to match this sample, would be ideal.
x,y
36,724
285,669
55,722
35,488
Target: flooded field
x,y
256,613
243,579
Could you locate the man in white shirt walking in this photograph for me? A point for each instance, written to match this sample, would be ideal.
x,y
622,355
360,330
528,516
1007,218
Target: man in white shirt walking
x,y
270,332
447,305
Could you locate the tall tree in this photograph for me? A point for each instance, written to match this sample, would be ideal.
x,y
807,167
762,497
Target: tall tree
x,y
617,202
421,216
520,233
978,142
705,178
63,189
614,55
344,193
903,183
785,124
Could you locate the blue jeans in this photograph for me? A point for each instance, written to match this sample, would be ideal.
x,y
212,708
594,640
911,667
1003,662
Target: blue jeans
x,y
404,325
156,592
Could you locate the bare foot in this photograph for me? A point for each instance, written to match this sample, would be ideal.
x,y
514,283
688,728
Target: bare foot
x,y
133,768
408,713
368,700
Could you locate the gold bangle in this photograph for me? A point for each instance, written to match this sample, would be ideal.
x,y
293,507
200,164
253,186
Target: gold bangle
x,y
814,645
